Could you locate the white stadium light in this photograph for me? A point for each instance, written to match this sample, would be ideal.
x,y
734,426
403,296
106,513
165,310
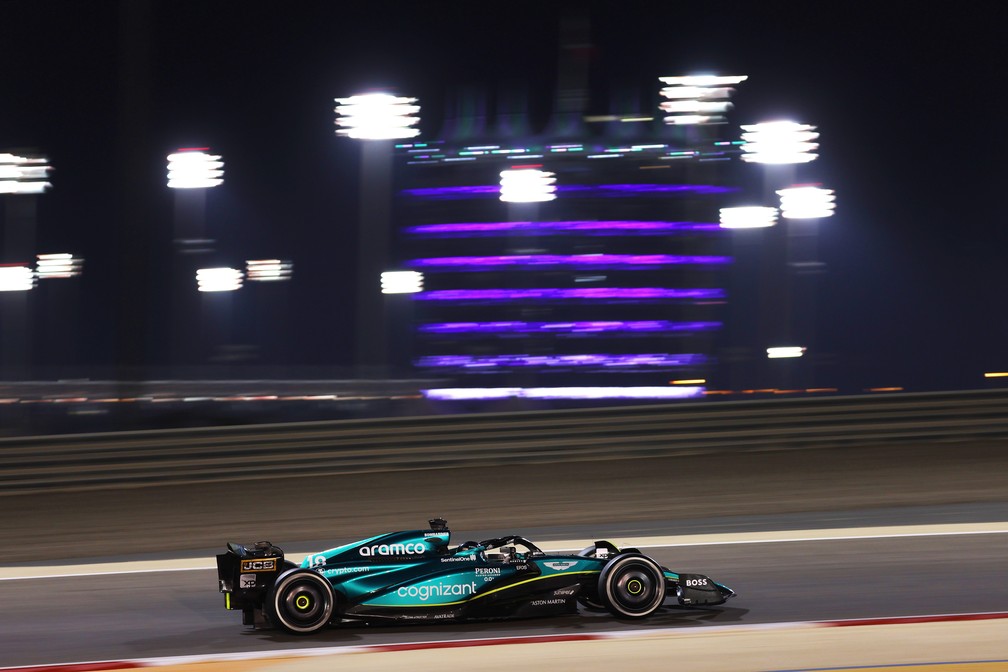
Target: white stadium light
x,y
401,282
691,119
23,174
194,168
58,266
704,80
807,202
785,352
748,217
695,92
697,99
779,142
377,116
268,270
218,279
695,106
16,278
527,185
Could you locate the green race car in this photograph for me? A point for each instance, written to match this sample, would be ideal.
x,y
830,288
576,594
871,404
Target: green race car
x,y
417,575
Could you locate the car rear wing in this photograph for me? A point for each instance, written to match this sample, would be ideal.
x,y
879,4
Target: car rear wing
x,y
245,574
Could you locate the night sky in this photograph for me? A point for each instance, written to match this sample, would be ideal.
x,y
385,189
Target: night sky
x,y
908,102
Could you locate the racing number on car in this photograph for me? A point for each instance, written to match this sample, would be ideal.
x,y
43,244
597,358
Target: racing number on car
x,y
317,561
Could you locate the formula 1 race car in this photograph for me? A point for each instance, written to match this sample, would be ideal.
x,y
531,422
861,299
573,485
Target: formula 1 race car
x,y
415,575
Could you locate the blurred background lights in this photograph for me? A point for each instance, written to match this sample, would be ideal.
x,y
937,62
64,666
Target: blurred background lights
x,y
527,185
16,278
556,228
61,265
218,279
567,294
194,169
705,81
697,99
579,327
785,352
748,217
401,282
268,270
640,392
23,174
377,116
779,142
565,361
587,261
806,202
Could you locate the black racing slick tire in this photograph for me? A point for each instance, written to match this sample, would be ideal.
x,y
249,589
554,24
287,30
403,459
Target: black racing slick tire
x,y
301,602
632,586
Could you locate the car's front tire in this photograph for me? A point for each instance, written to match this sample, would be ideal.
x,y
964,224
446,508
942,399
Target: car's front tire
x,y
301,602
632,586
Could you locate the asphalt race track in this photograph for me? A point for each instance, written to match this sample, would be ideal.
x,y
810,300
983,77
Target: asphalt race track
x,y
121,616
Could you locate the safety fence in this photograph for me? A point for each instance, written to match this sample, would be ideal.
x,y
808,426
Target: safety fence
x,y
133,459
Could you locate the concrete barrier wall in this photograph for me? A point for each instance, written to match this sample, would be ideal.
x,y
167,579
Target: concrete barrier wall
x,y
93,461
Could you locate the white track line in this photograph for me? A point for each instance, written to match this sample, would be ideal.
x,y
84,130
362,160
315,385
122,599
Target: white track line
x,y
11,573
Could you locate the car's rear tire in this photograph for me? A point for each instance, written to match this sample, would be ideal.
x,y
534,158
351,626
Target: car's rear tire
x,y
632,586
301,602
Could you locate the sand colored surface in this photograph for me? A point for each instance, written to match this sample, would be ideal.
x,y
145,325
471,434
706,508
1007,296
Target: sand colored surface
x,y
977,646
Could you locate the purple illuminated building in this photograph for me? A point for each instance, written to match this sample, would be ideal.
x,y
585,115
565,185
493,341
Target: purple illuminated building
x,y
617,283
599,262
598,190
565,228
615,280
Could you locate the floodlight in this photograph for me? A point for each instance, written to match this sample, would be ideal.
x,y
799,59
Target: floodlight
x,y
527,185
704,80
194,168
697,99
58,266
401,282
268,270
784,352
748,217
218,279
16,278
779,142
695,106
377,116
807,202
695,92
23,174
